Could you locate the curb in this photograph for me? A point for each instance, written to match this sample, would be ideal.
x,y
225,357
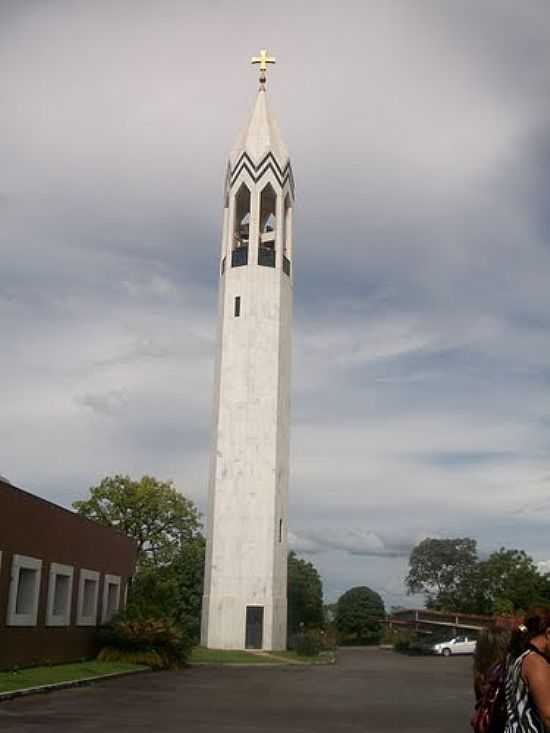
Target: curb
x,y
42,689
250,665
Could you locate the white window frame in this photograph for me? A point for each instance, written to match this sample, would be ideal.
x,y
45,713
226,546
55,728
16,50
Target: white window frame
x,y
82,620
125,597
28,563
107,581
56,569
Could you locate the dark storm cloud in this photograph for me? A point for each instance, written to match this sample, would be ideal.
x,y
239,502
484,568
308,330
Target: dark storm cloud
x,y
419,138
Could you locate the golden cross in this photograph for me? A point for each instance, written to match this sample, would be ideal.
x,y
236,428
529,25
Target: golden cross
x,y
263,59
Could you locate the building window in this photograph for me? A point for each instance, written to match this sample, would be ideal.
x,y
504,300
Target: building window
x,y
60,594
88,588
111,597
280,530
237,309
24,591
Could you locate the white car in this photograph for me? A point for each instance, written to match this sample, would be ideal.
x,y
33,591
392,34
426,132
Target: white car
x,y
456,645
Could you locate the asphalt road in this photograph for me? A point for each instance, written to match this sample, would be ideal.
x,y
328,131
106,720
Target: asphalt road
x,y
372,691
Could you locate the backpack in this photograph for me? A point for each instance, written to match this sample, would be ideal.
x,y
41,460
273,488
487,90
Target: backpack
x,y
490,710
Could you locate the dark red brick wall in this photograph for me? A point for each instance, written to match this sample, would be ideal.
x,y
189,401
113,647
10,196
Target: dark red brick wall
x,y
35,527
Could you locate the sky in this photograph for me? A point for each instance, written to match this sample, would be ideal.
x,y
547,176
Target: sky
x,y
419,139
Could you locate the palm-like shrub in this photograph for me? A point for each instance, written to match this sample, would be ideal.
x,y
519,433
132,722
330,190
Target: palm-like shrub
x,y
156,642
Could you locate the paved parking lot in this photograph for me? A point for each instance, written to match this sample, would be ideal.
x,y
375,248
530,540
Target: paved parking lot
x,y
372,691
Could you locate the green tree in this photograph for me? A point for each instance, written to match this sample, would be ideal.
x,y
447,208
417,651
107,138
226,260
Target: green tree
x,y
357,614
160,519
171,549
189,569
173,591
447,572
511,581
305,594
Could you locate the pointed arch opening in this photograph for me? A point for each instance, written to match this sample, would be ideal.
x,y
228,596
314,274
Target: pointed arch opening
x,y
268,227
287,235
241,227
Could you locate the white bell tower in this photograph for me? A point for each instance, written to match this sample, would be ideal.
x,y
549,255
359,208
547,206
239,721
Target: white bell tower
x,y
245,594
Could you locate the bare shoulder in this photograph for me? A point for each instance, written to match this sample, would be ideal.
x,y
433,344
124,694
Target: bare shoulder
x,y
535,667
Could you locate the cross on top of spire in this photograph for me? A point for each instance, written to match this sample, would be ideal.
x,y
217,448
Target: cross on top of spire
x,y
263,59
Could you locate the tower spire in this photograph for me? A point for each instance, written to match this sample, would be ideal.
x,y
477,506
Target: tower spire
x,y
245,587
263,60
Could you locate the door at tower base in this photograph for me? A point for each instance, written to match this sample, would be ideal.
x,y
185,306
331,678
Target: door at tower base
x,y
244,626
254,627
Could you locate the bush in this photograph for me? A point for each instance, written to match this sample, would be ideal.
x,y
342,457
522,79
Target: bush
x,y
309,643
147,640
329,638
403,640
149,658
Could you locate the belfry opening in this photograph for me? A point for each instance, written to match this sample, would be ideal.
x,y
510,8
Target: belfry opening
x,y
241,229
268,227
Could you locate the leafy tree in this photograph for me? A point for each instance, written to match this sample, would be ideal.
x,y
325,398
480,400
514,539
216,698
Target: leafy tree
x,y
171,549
511,581
189,569
452,577
152,512
545,589
446,571
173,591
305,594
357,612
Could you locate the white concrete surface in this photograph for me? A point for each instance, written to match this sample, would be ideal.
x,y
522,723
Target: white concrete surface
x,y
249,471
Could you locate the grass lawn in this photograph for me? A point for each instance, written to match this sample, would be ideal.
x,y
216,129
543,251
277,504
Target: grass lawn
x,y
323,658
10,681
228,656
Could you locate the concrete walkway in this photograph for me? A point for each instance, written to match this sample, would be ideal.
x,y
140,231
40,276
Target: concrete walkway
x,y
372,691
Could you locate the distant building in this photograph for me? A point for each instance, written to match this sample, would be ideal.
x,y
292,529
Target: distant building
x,y
60,576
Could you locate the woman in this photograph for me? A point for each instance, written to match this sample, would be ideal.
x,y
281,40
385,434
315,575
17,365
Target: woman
x,y
491,649
528,678
489,679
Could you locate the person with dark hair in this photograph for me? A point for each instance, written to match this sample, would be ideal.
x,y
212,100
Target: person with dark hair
x,y
490,660
528,678
491,649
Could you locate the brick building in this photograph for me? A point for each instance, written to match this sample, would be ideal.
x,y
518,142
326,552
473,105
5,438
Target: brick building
x,y
61,575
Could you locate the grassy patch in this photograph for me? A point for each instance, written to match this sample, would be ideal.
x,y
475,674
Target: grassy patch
x,y
323,658
23,678
225,656
229,656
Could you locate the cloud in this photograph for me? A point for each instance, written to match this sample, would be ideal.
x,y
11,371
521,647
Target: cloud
x,y
420,149
352,541
109,403
302,545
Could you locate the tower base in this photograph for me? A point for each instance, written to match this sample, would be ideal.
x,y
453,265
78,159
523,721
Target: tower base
x,y
230,623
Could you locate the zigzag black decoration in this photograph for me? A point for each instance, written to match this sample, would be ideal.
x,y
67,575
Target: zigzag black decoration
x,y
268,162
